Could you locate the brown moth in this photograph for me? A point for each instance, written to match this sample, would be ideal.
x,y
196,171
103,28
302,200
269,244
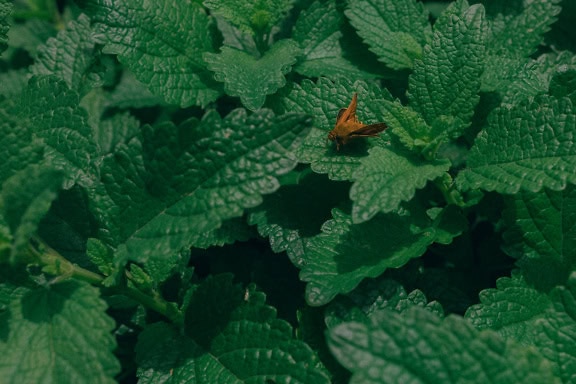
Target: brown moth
x,y
348,127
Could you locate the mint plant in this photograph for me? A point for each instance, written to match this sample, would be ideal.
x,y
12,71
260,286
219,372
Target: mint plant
x,y
172,211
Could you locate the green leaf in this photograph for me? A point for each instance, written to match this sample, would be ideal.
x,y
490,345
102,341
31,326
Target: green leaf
x,y
70,56
48,121
5,10
232,335
318,32
394,30
161,42
162,191
13,82
323,100
343,254
386,178
230,231
130,93
251,16
447,79
26,198
252,79
418,346
235,38
59,334
528,146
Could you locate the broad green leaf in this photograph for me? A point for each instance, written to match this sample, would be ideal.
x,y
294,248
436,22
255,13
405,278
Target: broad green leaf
x,y
230,334
343,254
323,100
230,231
162,191
47,121
318,32
13,82
417,346
235,38
31,35
161,42
395,30
524,147
26,197
447,79
252,79
563,84
70,56
59,334
386,178
130,93
5,10
251,16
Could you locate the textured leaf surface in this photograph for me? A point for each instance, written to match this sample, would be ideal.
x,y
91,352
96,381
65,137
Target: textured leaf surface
x,y
59,334
387,178
447,79
318,32
528,147
70,57
164,189
323,100
394,30
252,79
48,122
343,254
417,346
231,335
5,10
161,42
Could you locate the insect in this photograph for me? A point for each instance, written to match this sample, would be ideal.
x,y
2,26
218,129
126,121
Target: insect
x,y
348,127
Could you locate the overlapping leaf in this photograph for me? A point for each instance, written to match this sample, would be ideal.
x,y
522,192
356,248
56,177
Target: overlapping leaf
x,y
5,10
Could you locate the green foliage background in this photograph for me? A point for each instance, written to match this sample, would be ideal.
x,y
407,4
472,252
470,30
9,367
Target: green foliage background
x,y
172,212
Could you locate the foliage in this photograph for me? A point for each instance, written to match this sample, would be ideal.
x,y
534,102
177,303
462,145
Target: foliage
x,y
171,209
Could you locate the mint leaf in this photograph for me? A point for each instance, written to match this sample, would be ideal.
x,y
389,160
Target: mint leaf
x,y
252,17
172,184
59,333
162,48
447,79
230,334
235,38
386,178
394,30
5,10
130,93
230,231
528,146
252,79
13,82
323,100
48,120
343,254
404,347
318,32
70,56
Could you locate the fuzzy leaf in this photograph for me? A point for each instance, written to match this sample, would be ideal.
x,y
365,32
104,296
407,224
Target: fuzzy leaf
x,y
323,100
343,254
318,32
162,43
417,346
447,79
387,178
70,56
232,335
165,189
527,146
394,30
59,334
5,10
252,79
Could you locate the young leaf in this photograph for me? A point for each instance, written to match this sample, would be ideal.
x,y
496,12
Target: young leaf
x,y
162,43
318,32
394,30
5,10
528,146
230,334
386,178
165,189
70,56
252,79
59,333
419,346
447,79
323,100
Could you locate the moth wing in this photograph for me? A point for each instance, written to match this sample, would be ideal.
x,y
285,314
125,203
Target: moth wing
x,y
348,114
370,130
340,113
